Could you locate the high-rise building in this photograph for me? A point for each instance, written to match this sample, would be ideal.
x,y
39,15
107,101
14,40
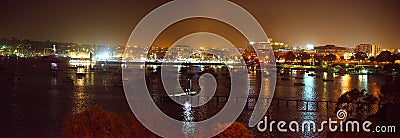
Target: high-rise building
x,y
371,50
397,51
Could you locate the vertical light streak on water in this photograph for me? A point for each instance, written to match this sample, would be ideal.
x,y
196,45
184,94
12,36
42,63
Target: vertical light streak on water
x,y
188,127
309,94
345,84
363,82
54,107
79,96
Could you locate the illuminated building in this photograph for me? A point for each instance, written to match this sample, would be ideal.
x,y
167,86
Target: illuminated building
x,y
157,52
371,50
80,55
181,51
81,59
277,45
347,55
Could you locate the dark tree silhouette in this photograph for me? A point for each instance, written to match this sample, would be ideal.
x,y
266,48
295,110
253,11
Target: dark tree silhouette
x,y
330,57
385,56
360,56
303,56
357,103
14,41
386,115
372,59
290,56
393,59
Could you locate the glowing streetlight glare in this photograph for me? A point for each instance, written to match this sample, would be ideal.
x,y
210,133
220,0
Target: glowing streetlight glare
x,y
310,46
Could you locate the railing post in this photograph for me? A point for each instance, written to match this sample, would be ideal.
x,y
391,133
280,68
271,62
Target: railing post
x,y
306,105
278,102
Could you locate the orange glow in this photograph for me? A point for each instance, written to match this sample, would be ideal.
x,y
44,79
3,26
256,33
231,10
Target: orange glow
x,y
346,84
80,55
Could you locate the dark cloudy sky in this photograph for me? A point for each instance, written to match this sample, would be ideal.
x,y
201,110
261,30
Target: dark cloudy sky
x,y
297,22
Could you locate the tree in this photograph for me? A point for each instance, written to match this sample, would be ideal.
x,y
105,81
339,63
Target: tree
x,y
360,56
26,42
384,56
357,103
304,56
318,59
14,41
372,59
330,57
393,59
290,56
386,115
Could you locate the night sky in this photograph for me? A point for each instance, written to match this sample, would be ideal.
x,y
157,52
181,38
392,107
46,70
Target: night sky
x,y
340,22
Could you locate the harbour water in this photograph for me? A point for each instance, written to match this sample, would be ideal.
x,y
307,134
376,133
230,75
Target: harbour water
x,y
34,100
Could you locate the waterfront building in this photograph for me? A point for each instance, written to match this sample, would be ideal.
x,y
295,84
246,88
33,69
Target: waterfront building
x,y
396,51
276,46
370,49
81,59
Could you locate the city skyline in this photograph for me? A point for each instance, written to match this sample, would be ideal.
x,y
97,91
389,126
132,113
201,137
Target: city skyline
x,y
341,23
199,68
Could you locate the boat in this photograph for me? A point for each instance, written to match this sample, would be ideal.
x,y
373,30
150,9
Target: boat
x,y
54,66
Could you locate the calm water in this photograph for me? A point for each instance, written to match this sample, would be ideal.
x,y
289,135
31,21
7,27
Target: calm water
x,y
34,101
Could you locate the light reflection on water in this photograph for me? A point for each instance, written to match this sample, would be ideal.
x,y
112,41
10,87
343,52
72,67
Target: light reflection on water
x,y
82,98
188,118
346,83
